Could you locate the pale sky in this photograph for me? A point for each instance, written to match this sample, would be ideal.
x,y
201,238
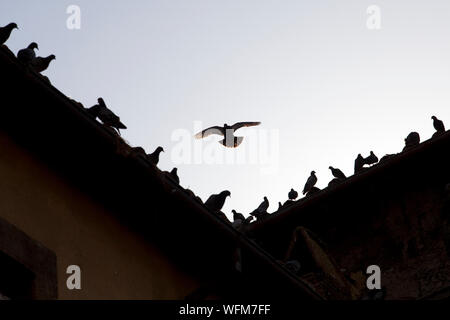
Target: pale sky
x,y
310,71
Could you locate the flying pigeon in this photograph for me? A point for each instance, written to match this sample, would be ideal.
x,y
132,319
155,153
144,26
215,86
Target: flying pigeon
x,y
216,201
106,116
154,157
312,180
292,194
5,32
40,64
337,173
438,124
371,159
359,163
230,141
27,55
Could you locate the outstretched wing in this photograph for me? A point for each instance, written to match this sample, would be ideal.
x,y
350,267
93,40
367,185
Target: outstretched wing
x,y
239,125
210,131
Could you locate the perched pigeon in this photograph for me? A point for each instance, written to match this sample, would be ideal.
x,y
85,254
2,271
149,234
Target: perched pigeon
x,y
216,201
173,175
359,163
438,124
5,32
371,159
230,141
154,157
312,180
138,150
239,219
106,116
337,173
27,55
292,194
40,64
412,140
261,211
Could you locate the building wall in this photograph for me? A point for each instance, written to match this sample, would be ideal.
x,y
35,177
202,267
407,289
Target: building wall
x,y
115,262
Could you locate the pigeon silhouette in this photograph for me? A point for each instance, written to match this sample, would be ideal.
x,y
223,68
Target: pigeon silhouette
x,y
413,139
292,194
106,116
5,32
338,174
40,64
371,159
262,209
239,221
27,55
359,163
216,201
438,124
312,180
154,157
230,141
173,175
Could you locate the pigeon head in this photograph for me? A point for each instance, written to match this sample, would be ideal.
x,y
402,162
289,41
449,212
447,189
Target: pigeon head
x,y
160,149
33,46
12,26
313,172
330,167
433,117
51,57
265,199
174,170
226,193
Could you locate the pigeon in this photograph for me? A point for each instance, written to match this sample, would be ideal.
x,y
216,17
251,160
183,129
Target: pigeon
x,y
312,180
154,157
173,175
337,173
292,194
40,64
438,124
261,210
359,163
27,55
137,151
371,159
5,32
106,116
216,201
412,140
230,141
240,217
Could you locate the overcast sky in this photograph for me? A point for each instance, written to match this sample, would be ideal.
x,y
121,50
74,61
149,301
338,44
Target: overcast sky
x,y
324,86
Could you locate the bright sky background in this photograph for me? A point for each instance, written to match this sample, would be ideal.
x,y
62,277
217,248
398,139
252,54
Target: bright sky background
x,y
310,69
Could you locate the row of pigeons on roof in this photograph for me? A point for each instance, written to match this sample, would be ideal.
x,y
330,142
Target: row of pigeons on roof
x,y
215,202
